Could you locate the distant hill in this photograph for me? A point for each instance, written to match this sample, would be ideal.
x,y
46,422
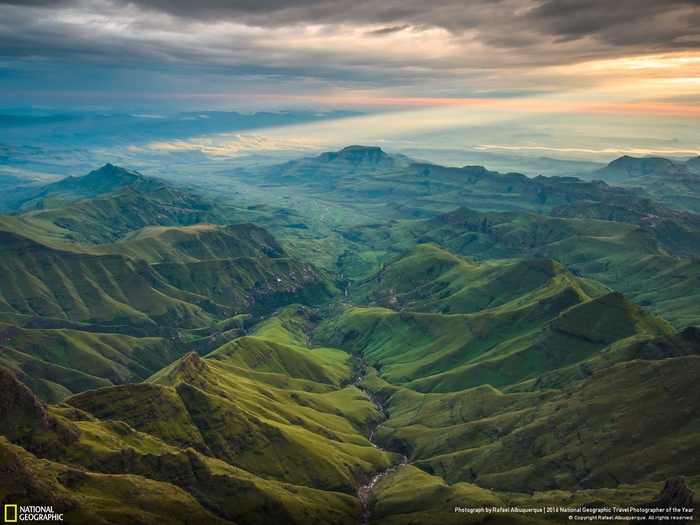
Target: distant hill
x,y
694,165
675,185
129,202
626,167
678,233
388,186
334,165
97,182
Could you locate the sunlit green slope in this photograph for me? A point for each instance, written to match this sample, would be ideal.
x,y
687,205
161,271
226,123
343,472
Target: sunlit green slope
x,y
264,430
541,388
106,471
510,367
625,257
520,320
40,280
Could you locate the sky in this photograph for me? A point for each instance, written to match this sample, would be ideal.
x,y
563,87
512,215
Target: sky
x,y
484,59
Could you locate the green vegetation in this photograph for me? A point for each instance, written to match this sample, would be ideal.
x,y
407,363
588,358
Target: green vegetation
x,y
625,257
219,359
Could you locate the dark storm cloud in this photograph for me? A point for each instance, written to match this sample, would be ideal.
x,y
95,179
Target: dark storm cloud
x,y
322,40
43,42
629,22
620,23
652,24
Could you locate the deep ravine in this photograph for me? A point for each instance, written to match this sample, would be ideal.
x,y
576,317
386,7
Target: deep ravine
x,y
363,493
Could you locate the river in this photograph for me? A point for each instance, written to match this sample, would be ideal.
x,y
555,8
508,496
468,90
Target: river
x,y
364,491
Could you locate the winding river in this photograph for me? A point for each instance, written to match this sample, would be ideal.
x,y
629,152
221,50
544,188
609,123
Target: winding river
x,y
363,492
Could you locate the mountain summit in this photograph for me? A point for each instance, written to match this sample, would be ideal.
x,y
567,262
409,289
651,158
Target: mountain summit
x,y
361,155
103,180
99,181
627,167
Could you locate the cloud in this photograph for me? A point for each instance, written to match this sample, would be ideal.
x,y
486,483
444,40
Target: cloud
x,y
620,23
437,48
387,30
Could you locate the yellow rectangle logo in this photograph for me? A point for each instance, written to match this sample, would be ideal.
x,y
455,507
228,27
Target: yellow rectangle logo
x,y
11,513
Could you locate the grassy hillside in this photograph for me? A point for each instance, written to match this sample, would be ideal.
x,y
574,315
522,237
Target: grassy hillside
x,y
114,289
520,320
625,257
427,278
620,425
542,390
57,363
186,283
265,418
299,370
107,471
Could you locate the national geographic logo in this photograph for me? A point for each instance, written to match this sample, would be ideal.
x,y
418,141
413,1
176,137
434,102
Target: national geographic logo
x,y
15,513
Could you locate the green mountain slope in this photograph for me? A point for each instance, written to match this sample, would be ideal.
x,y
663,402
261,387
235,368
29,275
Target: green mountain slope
x,y
625,257
202,277
57,363
525,319
207,366
85,476
97,182
113,289
540,388
429,278
623,424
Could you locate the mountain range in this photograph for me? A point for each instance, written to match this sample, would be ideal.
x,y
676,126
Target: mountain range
x,y
356,337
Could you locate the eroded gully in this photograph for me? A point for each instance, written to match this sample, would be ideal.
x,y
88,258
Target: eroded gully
x,y
363,492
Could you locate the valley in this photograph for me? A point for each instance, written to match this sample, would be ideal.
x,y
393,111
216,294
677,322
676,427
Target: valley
x,y
356,337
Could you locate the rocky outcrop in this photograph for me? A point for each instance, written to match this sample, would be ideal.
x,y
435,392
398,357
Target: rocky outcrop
x,y
25,420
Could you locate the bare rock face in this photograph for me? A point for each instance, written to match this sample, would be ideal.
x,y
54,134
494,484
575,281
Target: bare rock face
x,y
25,420
675,494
